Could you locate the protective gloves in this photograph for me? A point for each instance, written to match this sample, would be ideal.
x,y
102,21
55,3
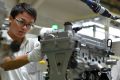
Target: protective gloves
x,y
35,54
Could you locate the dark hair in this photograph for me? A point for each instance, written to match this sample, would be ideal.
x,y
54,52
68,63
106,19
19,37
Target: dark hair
x,y
23,7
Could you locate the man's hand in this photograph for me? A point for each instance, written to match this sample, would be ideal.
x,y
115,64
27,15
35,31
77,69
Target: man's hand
x,y
18,61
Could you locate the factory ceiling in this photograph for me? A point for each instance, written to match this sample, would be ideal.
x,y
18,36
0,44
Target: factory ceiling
x,y
54,11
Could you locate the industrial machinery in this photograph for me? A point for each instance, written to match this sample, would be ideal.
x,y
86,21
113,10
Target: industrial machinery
x,y
58,47
90,58
73,56
7,46
97,8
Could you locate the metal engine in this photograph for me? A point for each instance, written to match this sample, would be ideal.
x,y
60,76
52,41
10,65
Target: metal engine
x,y
73,56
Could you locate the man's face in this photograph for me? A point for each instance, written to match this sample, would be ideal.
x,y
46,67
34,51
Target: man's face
x,y
21,24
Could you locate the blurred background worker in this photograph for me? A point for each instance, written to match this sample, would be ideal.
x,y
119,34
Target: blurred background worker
x,y
21,19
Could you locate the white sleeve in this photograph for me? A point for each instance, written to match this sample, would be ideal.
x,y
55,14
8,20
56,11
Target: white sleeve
x,y
35,54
